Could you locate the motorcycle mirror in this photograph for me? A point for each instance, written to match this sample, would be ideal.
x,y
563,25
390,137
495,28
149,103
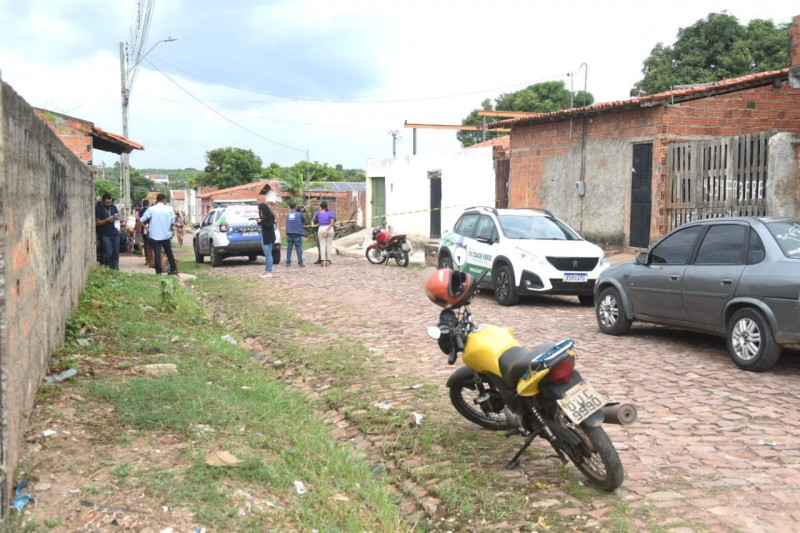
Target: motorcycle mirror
x,y
460,257
434,332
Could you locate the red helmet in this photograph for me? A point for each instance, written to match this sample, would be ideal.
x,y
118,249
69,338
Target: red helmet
x,y
448,288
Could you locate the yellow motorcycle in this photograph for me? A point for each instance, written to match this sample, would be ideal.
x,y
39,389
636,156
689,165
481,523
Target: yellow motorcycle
x,y
530,392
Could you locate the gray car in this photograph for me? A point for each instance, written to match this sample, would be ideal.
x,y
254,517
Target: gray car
x,y
738,277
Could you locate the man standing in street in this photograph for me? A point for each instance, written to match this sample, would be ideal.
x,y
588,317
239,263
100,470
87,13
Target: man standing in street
x,y
294,234
160,218
107,224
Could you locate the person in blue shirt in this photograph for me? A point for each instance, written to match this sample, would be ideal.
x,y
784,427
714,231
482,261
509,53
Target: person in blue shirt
x,y
294,234
107,224
160,218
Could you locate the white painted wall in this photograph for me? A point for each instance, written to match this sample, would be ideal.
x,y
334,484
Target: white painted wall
x,y
467,180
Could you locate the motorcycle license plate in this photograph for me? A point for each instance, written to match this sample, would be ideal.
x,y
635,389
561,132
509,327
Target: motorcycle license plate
x,y
576,277
580,402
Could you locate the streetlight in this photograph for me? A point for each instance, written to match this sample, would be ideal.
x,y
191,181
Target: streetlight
x,y
127,75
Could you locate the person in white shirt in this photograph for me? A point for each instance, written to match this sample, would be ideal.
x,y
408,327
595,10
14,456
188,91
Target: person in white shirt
x,y
160,218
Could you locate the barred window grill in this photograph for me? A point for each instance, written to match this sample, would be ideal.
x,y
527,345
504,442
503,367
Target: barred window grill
x,y
716,178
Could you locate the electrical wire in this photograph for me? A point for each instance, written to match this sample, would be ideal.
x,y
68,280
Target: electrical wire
x,y
222,115
352,100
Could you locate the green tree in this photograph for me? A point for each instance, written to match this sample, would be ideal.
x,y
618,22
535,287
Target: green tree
x,y
229,167
712,49
102,187
538,98
141,186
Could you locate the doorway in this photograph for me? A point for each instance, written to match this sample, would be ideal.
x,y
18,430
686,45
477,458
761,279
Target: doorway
x,y
641,195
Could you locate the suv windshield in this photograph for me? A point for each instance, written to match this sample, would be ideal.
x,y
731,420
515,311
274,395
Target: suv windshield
x,y
536,227
788,236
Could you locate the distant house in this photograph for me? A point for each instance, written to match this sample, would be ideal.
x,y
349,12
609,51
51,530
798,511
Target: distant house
x,y
160,179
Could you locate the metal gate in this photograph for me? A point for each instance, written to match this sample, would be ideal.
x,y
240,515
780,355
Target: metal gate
x,y
716,178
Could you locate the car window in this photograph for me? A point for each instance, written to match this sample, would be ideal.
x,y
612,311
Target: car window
x,y
756,251
675,248
788,236
536,227
485,228
722,244
466,224
209,218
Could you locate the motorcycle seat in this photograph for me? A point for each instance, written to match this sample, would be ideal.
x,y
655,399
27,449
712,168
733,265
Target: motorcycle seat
x,y
517,360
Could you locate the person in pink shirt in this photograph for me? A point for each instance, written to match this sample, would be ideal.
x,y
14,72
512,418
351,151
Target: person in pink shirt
x,y
325,219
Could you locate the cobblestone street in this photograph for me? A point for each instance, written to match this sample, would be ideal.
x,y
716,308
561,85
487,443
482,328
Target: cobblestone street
x,y
714,445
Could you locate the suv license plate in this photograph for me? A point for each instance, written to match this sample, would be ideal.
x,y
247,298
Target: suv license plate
x,y
249,233
580,402
576,277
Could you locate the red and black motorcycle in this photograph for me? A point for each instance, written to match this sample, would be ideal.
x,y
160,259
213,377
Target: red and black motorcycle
x,y
387,246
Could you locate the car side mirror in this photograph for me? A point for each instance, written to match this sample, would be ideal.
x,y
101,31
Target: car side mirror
x,y
642,258
196,225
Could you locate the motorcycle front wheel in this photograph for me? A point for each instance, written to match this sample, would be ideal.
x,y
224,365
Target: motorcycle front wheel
x,y
375,256
594,456
465,397
401,256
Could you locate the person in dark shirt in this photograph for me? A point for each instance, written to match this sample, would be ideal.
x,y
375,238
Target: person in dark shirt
x,y
267,222
294,234
107,224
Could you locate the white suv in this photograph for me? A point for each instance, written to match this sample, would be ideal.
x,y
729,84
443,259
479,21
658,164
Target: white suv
x,y
231,231
523,251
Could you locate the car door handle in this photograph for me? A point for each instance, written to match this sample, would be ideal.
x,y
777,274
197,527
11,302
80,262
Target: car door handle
x,y
727,281
674,277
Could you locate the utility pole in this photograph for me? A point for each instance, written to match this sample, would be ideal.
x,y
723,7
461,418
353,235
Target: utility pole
x,y
127,75
395,135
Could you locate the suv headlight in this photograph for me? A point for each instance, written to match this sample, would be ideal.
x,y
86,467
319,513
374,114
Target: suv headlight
x,y
223,227
536,259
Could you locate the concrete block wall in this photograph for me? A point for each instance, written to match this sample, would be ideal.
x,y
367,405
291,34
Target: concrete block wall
x,y
46,249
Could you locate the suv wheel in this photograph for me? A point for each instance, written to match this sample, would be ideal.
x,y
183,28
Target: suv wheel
x,y
445,261
198,257
216,259
504,286
750,341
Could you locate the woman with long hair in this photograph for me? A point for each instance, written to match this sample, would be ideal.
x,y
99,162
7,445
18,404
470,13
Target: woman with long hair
x,y
267,222
325,219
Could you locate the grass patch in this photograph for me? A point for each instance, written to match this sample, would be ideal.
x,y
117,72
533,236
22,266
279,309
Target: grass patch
x,y
220,399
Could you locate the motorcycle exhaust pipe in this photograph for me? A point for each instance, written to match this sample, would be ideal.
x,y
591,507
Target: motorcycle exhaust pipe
x,y
619,413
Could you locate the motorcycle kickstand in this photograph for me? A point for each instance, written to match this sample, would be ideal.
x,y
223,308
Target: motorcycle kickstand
x,y
513,462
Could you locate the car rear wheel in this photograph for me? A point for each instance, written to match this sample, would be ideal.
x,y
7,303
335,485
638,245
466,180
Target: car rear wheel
x,y
504,286
750,341
610,312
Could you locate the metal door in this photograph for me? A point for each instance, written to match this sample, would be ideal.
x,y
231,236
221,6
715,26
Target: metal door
x,y
436,206
641,187
378,201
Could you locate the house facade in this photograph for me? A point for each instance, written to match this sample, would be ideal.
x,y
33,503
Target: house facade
x,y
423,194
625,173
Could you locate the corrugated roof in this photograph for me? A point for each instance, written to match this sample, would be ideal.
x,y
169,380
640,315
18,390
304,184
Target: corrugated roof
x,y
337,186
677,95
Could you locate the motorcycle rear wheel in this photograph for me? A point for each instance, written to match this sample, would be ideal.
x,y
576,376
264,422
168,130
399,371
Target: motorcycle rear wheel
x,y
401,256
595,457
375,256
464,396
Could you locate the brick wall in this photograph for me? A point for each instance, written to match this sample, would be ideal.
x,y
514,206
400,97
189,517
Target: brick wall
x,y
546,159
76,134
46,249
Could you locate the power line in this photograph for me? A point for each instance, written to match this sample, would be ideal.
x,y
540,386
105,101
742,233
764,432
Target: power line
x,y
352,100
223,116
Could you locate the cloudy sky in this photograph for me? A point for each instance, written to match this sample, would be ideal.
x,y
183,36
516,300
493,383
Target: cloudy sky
x,y
325,78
